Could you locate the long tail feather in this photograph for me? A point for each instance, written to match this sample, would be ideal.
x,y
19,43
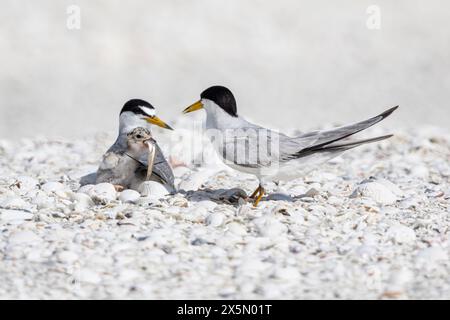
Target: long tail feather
x,y
340,147
329,136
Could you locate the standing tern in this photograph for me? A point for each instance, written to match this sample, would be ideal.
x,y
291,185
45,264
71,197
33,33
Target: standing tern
x,y
267,154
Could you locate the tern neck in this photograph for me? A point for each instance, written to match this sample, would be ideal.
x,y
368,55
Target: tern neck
x,y
216,118
128,121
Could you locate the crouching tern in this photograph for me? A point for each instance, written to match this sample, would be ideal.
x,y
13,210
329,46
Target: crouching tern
x,y
126,160
267,154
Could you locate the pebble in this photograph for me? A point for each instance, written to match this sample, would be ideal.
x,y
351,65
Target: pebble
x,y
325,246
195,180
153,189
81,201
270,227
236,228
103,193
15,215
129,195
25,183
88,276
14,203
68,257
401,234
428,258
215,219
52,187
375,191
24,237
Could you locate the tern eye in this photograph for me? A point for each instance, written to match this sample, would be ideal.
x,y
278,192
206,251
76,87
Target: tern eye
x,y
139,136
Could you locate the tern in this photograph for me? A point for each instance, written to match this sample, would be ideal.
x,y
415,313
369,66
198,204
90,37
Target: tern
x,y
136,113
268,154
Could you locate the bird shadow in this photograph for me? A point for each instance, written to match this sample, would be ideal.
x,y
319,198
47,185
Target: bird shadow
x,y
234,196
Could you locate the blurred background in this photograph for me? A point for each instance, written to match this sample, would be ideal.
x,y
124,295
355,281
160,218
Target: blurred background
x,y
290,63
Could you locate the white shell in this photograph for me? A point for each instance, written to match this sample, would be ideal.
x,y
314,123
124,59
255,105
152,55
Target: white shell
x,y
152,188
81,202
270,227
103,193
195,180
68,257
86,189
27,183
23,237
429,257
375,191
52,187
129,196
14,203
215,219
237,229
15,215
401,234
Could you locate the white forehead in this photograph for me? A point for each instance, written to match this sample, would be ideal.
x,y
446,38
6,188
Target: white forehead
x,y
147,110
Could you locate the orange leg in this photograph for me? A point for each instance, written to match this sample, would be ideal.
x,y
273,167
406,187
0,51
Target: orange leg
x,y
261,194
253,196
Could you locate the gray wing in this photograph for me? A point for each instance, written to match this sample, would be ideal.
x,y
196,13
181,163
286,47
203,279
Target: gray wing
x,y
255,146
161,168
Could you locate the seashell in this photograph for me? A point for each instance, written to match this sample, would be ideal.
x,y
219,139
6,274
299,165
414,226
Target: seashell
x,y
179,202
129,195
401,234
237,229
375,191
81,201
287,274
23,237
420,172
68,257
25,183
311,193
297,190
399,278
215,219
15,215
103,193
391,186
153,189
269,227
88,276
14,203
196,179
43,201
86,188
429,257
52,187
208,204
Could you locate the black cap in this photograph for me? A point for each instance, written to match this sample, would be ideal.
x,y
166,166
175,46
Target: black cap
x,y
137,106
222,97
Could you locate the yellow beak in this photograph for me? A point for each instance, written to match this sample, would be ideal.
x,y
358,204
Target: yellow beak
x,y
193,107
157,121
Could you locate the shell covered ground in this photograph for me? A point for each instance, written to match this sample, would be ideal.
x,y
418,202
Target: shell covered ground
x,y
371,224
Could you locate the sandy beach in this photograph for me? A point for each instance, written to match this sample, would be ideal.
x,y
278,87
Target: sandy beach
x,y
371,224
